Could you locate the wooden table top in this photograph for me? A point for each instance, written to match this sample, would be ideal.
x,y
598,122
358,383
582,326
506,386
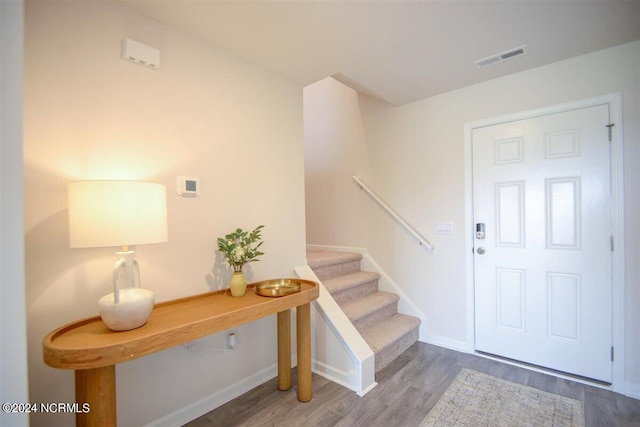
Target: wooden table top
x,y
89,343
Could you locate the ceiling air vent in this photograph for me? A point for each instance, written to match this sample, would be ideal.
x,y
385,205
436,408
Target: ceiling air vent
x,y
502,56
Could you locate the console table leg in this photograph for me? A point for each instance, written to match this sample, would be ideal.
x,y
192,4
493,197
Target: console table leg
x,y
303,331
284,350
97,387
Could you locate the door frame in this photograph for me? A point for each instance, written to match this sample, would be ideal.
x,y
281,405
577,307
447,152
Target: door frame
x,y
614,100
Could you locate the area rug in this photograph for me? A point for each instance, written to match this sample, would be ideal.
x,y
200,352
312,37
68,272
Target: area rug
x,y
474,399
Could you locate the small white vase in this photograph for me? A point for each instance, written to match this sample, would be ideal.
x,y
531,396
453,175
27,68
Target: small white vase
x,y
238,284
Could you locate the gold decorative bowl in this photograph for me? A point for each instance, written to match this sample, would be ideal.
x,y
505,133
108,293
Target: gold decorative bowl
x,y
278,287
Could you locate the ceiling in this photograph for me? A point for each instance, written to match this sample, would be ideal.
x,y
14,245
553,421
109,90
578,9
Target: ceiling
x,y
400,51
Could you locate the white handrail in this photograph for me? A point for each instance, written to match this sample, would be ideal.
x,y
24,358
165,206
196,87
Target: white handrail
x,y
421,240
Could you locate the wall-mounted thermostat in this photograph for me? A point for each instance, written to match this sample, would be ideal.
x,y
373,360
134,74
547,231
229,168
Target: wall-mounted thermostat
x,y
188,186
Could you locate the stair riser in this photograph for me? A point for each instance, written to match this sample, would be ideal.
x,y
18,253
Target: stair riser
x,y
335,270
355,292
390,353
376,316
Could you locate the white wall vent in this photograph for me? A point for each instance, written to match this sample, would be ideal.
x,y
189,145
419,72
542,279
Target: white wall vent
x,y
502,56
140,54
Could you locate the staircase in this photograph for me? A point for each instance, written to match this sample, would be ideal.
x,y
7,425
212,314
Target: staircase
x,y
373,313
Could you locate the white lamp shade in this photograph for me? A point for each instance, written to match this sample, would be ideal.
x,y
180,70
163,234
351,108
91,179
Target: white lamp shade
x,y
116,213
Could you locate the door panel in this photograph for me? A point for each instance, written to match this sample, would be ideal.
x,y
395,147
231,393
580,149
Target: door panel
x,y
541,186
510,295
509,213
563,216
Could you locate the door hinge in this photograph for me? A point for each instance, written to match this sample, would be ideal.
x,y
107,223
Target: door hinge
x,y
611,243
610,126
612,353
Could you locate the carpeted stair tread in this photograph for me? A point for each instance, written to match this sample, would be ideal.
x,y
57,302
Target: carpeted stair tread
x,y
369,304
317,259
385,333
349,280
391,352
330,264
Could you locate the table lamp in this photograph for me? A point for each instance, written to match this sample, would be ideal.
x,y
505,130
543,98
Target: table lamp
x,y
119,213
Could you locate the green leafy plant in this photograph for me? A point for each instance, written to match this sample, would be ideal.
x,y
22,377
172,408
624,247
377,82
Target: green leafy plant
x,y
241,247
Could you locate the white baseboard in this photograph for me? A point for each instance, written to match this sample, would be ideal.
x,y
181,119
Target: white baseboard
x,y
334,374
330,372
367,390
346,379
632,390
456,345
215,400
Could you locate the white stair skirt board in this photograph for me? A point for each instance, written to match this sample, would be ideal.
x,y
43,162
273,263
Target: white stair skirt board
x,y
338,351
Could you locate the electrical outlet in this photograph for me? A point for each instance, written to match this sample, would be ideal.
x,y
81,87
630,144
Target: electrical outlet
x,y
190,347
231,341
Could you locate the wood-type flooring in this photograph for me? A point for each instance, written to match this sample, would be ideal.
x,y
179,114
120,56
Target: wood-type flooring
x,y
407,389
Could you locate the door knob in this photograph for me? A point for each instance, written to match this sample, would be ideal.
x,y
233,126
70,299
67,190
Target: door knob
x,y
481,250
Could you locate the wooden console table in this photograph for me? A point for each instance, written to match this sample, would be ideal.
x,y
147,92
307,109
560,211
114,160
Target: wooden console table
x,y
93,350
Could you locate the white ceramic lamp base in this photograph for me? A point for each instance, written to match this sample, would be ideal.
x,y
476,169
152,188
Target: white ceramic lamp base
x,y
130,312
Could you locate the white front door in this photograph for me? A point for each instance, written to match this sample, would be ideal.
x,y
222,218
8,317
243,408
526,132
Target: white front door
x,y
541,187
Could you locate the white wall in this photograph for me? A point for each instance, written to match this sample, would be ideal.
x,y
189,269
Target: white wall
x,y
89,114
415,162
334,150
13,341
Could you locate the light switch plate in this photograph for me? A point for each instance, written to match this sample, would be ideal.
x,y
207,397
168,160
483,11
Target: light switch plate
x,y
444,227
